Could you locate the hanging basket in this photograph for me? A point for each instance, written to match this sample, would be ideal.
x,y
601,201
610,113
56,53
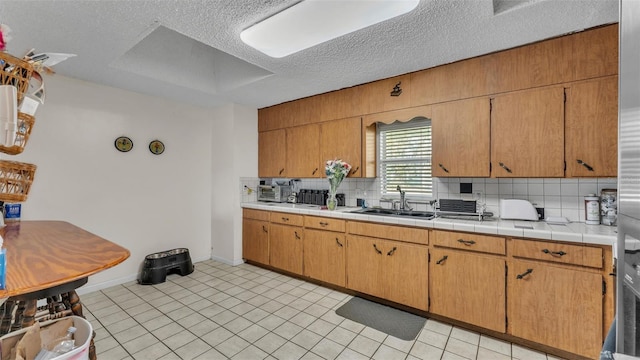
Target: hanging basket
x,y
15,180
16,72
23,130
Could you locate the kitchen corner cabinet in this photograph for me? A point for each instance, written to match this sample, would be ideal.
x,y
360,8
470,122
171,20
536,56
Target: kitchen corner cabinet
x,y
255,236
324,249
591,128
467,277
461,138
272,152
286,242
527,133
388,269
303,152
342,139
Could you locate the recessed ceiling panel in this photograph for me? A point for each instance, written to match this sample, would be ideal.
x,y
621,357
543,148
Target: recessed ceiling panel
x,y
169,56
500,6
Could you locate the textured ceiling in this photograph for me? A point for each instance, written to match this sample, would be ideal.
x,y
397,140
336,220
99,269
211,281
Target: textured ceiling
x,y
190,50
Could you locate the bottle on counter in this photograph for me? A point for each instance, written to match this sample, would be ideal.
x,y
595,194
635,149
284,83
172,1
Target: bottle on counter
x,y
58,346
592,209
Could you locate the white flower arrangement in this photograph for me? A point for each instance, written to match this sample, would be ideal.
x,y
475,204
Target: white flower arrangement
x,y
336,170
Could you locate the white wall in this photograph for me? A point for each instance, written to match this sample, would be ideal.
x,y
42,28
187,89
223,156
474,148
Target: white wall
x,y
143,202
234,155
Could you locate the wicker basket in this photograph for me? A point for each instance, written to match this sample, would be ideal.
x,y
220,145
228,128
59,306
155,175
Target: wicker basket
x,y
15,180
16,72
25,124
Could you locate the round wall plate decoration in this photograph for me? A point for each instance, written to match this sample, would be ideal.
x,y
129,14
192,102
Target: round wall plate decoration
x,y
156,147
123,144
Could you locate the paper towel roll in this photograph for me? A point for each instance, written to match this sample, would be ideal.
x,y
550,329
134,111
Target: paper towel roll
x,y
8,114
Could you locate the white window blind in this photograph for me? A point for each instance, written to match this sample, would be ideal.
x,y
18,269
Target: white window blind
x,y
404,157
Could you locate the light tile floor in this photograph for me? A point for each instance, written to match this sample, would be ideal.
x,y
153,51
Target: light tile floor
x,y
246,312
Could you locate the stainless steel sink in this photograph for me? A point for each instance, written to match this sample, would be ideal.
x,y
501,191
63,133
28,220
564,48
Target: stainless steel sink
x,y
425,215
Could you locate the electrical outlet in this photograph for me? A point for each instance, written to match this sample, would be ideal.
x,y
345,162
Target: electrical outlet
x,y
540,213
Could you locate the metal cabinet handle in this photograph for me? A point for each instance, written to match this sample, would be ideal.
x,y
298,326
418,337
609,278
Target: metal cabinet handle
x,y
323,224
554,253
443,168
314,171
354,171
439,262
392,251
339,243
297,236
377,250
264,229
521,276
281,171
285,218
466,242
502,165
584,164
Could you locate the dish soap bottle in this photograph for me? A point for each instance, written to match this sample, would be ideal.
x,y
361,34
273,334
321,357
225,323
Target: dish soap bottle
x,y
58,346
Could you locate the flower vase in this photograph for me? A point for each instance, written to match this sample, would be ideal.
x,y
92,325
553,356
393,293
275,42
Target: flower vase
x,y
332,202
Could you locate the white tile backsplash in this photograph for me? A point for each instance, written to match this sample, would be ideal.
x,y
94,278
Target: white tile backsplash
x,y
559,197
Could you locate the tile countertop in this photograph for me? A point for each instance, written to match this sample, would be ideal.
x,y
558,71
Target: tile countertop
x,y
571,232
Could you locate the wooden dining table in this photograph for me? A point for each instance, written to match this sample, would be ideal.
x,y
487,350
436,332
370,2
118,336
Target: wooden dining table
x,y
49,260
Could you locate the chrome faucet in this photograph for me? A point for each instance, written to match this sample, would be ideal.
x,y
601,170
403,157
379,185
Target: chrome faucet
x,y
403,200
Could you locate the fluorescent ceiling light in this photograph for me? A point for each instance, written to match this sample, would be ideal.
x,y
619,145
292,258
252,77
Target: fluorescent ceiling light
x,y
312,22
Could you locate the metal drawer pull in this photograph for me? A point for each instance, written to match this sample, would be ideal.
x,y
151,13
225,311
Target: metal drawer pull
x,y
281,171
354,171
338,242
285,219
554,253
439,262
466,242
443,168
392,251
264,228
314,171
584,164
377,250
521,276
297,236
502,165
323,223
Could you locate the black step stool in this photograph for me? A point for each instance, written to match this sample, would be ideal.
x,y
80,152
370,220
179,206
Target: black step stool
x,y
158,265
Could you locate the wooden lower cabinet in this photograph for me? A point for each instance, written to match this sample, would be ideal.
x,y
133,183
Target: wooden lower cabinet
x,y
392,270
557,306
255,240
285,247
468,287
324,256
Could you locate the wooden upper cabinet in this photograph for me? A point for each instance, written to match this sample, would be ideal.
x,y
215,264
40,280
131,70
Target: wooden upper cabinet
x,y
342,139
461,138
591,128
292,113
388,94
272,149
303,152
459,80
539,64
343,103
527,133
596,52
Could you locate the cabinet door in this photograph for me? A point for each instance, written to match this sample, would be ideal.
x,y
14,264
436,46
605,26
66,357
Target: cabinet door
x,y
405,268
364,259
285,248
527,134
468,287
342,139
324,256
271,153
591,128
303,152
388,94
559,307
255,240
460,138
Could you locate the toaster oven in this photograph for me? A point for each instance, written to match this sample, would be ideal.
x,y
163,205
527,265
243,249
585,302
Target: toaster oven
x,y
274,193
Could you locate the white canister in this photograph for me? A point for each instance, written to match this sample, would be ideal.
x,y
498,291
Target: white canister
x,y
608,207
592,209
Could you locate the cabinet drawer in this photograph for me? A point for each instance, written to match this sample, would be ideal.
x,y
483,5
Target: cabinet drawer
x,y
391,232
472,242
255,214
558,252
287,219
324,223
